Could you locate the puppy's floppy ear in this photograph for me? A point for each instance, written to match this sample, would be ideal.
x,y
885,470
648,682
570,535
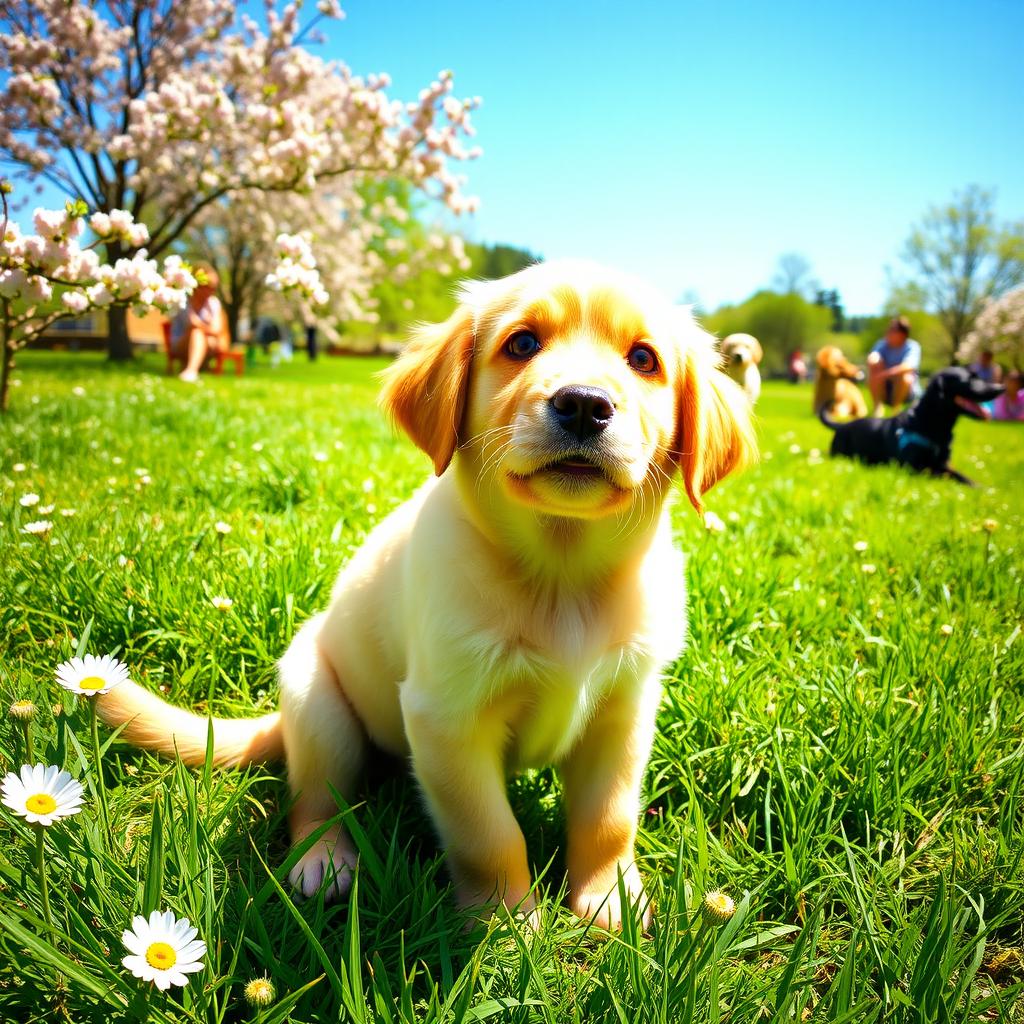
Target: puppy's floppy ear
x,y
714,433
757,353
425,388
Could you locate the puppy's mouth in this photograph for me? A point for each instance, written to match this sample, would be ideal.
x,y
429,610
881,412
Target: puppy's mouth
x,y
972,409
576,466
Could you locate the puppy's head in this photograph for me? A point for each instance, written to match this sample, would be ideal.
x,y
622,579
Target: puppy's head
x,y
833,363
960,390
572,390
741,350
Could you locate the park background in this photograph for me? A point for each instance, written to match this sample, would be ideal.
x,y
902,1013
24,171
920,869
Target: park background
x,y
840,747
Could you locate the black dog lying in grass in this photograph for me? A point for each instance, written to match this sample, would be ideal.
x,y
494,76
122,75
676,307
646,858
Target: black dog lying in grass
x,y
919,437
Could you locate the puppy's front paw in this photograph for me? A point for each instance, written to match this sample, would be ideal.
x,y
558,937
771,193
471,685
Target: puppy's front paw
x,y
331,861
604,908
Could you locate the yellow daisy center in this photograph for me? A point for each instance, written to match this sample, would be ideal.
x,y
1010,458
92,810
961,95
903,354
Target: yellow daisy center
x,y
161,956
41,803
92,683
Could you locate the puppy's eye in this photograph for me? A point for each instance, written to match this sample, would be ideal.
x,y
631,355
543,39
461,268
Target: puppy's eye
x,y
522,345
642,359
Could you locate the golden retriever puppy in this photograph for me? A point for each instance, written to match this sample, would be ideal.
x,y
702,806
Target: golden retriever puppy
x,y
833,385
741,354
518,609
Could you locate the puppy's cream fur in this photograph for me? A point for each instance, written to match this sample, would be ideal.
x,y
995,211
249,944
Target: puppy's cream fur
x,y
741,354
517,610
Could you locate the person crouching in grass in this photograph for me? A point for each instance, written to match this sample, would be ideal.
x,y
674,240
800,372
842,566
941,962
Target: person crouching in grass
x,y
200,328
893,365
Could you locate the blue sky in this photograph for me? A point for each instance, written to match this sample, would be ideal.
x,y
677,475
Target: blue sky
x,y
695,143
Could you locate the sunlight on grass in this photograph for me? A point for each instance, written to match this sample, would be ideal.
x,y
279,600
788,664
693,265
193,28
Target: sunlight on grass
x,y
840,751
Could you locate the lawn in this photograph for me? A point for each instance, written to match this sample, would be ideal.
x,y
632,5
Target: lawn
x,y
841,748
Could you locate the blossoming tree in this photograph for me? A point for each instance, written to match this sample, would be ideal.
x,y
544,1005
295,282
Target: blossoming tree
x,y
363,234
33,266
999,329
162,107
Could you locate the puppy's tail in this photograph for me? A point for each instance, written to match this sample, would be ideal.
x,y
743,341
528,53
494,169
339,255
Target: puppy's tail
x,y
153,724
825,418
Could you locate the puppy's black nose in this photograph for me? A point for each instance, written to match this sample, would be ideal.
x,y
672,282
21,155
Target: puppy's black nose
x,y
582,411
737,357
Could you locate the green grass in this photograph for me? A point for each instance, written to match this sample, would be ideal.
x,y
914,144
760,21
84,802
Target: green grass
x,y
826,754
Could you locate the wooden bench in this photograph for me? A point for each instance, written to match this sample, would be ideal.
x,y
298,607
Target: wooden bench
x,y
234,355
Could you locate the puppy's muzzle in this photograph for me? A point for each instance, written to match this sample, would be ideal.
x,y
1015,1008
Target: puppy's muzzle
x,y
737,358
582,411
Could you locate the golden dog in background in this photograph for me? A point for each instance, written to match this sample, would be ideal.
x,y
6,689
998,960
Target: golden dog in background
x,y
516,611
834,386
741,354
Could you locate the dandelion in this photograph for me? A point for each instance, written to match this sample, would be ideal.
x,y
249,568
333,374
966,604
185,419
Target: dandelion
x,y
39,527
713,523
28,500
23,711
990,526
861,546
259,993
222,528
717,908
868,569
163,950
222,603
42,794
946,629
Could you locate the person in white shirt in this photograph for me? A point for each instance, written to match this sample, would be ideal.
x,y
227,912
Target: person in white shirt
x,y
200,328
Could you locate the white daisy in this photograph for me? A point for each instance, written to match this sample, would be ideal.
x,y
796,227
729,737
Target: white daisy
x,y
28,500
222,603
45,510
42,794
222,528
860,546
39,526
91,675
163,950
713,523
68,512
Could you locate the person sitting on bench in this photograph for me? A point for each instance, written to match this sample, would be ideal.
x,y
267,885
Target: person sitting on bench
x,y
200,328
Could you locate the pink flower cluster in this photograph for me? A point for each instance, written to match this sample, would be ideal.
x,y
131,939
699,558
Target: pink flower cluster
x,y
296,270
999,329
34,266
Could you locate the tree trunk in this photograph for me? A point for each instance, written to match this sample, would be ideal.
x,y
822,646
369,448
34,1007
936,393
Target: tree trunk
x,y
6,357
232,313
119,346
